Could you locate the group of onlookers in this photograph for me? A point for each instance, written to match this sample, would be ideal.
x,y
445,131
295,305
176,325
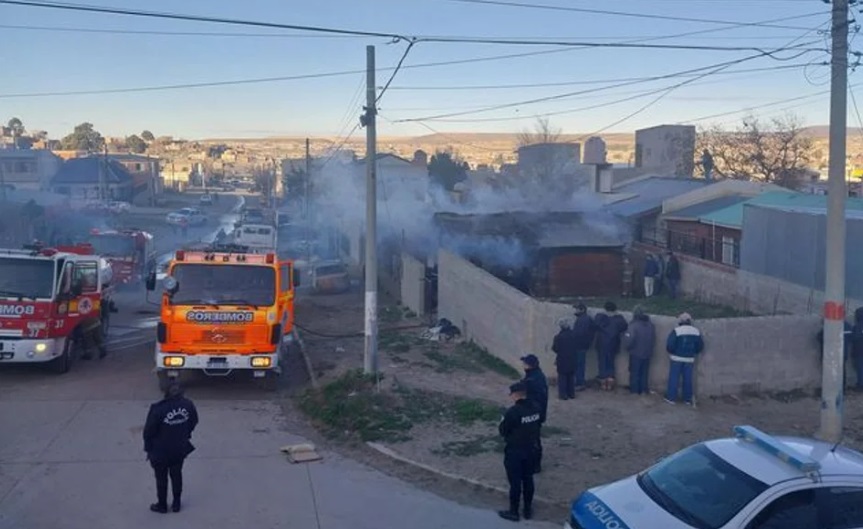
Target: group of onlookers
x,y
609,333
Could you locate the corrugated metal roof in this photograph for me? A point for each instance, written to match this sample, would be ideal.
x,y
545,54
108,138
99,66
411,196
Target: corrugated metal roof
x,y
732,216
542,230
651,193
696,211
86,171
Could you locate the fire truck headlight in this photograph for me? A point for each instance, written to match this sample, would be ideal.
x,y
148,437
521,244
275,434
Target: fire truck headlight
x,y
41,347
261,361
174,361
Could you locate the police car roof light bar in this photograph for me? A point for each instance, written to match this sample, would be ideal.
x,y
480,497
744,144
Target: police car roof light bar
x,y
776,448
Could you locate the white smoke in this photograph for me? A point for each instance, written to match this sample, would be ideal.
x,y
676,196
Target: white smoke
x,y
406,209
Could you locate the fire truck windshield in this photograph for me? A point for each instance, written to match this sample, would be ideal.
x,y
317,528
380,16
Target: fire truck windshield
x,y
112,245
26,278
224,284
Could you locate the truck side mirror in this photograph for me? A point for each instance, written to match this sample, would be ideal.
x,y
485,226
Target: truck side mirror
x,y
151,281
297,280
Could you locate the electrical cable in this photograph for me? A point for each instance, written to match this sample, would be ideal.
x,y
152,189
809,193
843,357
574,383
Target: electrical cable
x,y
61,29
580,82
632,15
395,72
392,36
441,117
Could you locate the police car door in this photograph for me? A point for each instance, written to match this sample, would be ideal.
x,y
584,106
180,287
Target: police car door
x,y
802,506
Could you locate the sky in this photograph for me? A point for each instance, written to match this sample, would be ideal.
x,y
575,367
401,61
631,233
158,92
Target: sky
x,y
55,51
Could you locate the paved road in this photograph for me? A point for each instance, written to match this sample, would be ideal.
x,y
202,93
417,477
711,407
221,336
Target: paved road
x,y
71,457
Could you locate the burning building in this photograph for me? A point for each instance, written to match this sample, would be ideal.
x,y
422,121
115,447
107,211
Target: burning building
x,y
550,255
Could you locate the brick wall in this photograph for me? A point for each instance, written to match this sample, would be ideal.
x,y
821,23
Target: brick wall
x,y
769,353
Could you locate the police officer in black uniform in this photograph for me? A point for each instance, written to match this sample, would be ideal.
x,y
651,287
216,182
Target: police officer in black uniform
x,y
520,429
167,435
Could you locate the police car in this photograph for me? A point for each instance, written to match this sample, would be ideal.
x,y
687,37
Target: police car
x,y
750,481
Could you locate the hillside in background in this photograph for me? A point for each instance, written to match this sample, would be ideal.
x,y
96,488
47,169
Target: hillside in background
x,y
495,148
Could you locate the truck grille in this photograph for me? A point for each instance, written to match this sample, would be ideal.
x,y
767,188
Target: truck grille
x,y
222,337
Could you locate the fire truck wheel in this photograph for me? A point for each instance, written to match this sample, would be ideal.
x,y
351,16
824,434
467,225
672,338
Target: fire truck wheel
x,y
63,363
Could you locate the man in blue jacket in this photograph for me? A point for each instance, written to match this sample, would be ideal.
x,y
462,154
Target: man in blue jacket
x,y
684,344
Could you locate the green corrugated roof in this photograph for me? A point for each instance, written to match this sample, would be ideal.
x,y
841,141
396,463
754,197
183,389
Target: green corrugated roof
x,y
732,216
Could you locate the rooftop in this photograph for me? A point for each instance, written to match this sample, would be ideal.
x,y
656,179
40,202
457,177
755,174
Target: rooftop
x,y
770,469
87,170
541,230
651,192
732,216
696,211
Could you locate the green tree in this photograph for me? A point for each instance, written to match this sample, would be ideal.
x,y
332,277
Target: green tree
x,y
147,136
136,144
17,127
84,138
447,170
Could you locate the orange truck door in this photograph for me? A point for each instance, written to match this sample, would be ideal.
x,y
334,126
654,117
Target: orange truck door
x,y
285,294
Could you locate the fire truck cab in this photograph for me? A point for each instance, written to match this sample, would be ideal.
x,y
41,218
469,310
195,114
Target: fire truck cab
x,y
224,311
130,252
51,300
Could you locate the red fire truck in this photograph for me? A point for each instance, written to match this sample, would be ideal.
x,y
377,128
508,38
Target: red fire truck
x,y
130,252
54,302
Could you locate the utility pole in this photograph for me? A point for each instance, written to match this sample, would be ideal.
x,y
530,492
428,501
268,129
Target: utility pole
x,y
2,181
370,365
103,168
833,372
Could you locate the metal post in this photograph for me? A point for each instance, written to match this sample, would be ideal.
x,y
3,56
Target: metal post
x,y
834,292
371,329
2,180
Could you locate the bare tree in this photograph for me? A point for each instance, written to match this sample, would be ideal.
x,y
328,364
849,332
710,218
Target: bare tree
x,y
543,132
776,152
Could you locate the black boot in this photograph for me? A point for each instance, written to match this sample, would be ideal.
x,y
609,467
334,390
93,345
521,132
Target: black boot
x,y
528,513
103,352
175,506
512,516
159,507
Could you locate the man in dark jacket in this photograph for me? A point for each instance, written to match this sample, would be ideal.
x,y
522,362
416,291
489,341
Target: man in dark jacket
x,y
583,332
610,328
167,434
520,428
565,360
537,391
684,344
651,272
672,274
639,340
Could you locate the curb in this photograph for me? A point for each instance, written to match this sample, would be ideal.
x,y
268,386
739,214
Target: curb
x,y
308,361
394,455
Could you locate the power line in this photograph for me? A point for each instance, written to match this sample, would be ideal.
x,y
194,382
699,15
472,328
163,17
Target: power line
x,y
395,71
62,29
440,117
198,18
633,15
393,36
580,82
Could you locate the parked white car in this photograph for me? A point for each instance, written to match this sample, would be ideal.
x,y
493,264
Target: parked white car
x,y
190,216
206,200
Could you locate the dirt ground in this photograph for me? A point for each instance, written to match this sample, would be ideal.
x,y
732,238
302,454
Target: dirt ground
x,y
596,438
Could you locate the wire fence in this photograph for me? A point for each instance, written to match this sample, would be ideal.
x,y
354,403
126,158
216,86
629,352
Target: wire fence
x,y
719,249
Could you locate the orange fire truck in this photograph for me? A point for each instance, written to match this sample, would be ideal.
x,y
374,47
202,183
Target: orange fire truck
x,y
130,252
224,310
52,302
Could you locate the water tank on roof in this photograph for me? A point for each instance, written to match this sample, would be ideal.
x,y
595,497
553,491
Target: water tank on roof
x,y
594,151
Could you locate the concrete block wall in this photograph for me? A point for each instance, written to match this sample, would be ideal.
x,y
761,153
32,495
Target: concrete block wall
x,y
413,284
485,308
768,353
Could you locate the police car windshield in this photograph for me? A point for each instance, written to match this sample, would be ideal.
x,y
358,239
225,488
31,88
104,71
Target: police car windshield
x,y
224,284
700,488
28,278
112,245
